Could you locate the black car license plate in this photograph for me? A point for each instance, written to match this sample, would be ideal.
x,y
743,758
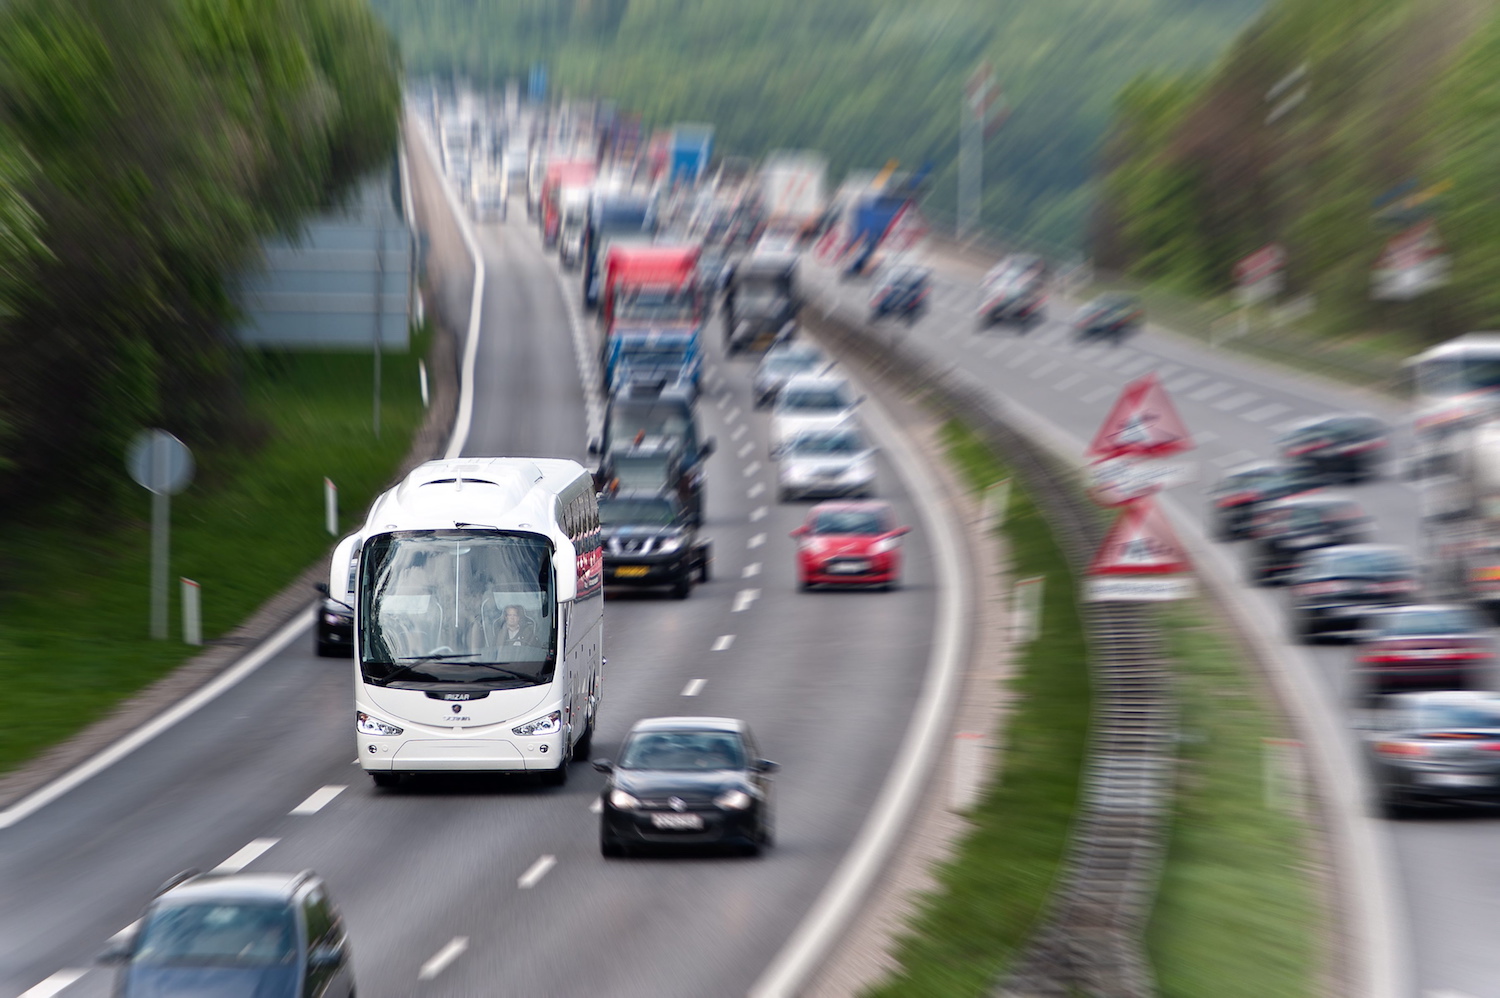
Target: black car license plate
x,y
677,822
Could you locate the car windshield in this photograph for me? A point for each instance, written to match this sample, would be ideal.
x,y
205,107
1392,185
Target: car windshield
x,y
666,356
785,366
227,933
636,513
1329,515
656,305
629,420
452,606
1360,563
825,444
647,473
1250,481
809,398
848,521
759,297
1437,716
683,751
1425,621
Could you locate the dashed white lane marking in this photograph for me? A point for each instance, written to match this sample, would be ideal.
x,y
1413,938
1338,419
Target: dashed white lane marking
x,y
723,642
752,468
52,985
1046,369
536,872
694,687
1185,382
745,450
1209,391
751,570
1098,393
443,957
755,490
723,400
996,349
1265,412
1234,402
739,431
247,855
1021,358
732,415
597,807
756,541
319,799
758,513
1237,457
743,599
1069,381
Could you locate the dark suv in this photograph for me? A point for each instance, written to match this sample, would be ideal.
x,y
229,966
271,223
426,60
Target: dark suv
x,y
654,465
649,540
1284,531
271,935
1340,448
1239,495
1335,589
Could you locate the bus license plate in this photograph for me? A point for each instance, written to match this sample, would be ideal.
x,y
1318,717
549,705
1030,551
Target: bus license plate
x,y
631,571
677,822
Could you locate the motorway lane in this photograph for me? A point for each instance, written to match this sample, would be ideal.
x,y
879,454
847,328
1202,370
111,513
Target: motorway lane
x,y
1448,868
827,680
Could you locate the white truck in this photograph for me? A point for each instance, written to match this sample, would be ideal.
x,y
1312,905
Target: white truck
x,y
793,190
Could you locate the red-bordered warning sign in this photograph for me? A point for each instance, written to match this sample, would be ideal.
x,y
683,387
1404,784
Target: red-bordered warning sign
x,y
1142,423
1140,543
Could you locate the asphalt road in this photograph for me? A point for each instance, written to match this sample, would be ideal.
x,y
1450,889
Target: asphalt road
x,y
1447,867
826,680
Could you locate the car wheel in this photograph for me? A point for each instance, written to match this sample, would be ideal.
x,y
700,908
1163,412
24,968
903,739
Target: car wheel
x,y
891,586
555,777
611,847
385,780
329,651
683,587
1259,576
803,585
1393,805
1306,634
705,562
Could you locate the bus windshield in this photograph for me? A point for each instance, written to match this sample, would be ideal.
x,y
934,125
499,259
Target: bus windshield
x,y
444,607
1458,375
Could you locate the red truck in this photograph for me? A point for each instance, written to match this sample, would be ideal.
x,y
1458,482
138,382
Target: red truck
x,y
668,273
560,173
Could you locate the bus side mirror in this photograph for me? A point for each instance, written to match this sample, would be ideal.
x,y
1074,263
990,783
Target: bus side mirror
x,y
604,766
321,587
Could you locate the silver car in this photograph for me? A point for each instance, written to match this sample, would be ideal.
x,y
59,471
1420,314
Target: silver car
x,y
827,464
781,363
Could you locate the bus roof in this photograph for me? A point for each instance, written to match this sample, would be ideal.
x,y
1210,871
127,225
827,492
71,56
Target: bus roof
x,y
1484,344
500,492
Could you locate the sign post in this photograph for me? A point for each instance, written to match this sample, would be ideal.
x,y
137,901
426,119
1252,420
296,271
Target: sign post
x,y
161,464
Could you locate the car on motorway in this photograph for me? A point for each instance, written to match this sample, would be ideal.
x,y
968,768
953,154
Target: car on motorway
x,y
1112,317
643,410
1014,291
333,629
266,935
826,463
850,542
780,364
1282,532
655,464
686,781
1435,747
1347,447
650,540
902,292
1238,496
810,402
1336,589
1436,646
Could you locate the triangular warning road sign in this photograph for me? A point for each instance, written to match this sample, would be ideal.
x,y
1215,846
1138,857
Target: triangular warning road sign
x,y
1140,543
1142,423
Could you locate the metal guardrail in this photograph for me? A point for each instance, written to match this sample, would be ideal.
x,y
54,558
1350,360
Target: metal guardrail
x,y
1091,941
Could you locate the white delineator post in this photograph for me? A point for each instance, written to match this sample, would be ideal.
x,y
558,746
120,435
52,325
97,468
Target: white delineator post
x,y
331,507
192,613
422,377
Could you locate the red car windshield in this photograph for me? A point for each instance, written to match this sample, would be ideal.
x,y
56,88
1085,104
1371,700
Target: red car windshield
x,y
849,521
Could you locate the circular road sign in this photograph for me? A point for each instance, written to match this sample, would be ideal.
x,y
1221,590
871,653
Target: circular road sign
x,y
159,462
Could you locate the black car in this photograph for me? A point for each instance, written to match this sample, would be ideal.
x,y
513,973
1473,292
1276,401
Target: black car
x,y
760,303
1110,317
654,465
649,540
1283,531
686,781
1435,748
1340,448
1239,495
781,363
1431,646
1335,589
902,292
271,935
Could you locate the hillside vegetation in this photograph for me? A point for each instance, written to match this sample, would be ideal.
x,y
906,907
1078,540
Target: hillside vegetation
x,y
862,80
1398,91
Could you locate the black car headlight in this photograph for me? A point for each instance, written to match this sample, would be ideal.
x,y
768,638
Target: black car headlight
x,y
734,800
622,801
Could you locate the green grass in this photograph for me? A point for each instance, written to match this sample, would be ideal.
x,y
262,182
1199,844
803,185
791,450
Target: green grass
x,y
994,890
74,602
1236,916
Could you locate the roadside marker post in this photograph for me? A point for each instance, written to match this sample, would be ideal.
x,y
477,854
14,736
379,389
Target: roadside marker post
x,y
331,507
192,613
996,505
422,377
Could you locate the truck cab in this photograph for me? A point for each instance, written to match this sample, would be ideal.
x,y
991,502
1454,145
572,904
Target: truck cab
x,y
655,465
760,303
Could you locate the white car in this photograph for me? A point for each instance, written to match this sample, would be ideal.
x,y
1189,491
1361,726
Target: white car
x,y
781,364
810,402
827,464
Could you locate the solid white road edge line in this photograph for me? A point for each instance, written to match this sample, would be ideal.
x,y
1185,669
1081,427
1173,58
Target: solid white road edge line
x,y
45,795
925,735
536,872
319,799
245,855
443,957
52,985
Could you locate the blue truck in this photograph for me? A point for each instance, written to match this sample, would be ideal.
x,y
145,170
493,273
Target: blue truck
x,y
671,358
691,148
612,216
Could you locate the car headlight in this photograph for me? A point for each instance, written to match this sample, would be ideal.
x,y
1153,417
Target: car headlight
x,y
622,801
667,545
860,470
549,724
734,800
373,725
886,544
331,618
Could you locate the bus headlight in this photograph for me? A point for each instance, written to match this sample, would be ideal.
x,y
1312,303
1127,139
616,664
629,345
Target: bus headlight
x,y
550,724
373,725
734,800
621,801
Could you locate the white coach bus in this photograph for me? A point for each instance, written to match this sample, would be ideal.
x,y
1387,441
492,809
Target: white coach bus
x,y
477,588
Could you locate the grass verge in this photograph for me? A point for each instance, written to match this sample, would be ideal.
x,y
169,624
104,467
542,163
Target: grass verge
x,y
74,603
993,891
1236,913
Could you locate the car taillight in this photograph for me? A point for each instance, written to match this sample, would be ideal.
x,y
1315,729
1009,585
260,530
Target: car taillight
x,y
1236,499
1318,588
1401,749
1491,747
1402,586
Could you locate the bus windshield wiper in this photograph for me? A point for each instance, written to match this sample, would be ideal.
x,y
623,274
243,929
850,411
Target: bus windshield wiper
x,y
525,676
434,658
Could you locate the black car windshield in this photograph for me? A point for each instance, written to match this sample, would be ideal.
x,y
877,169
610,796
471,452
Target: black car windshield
x,y
636,513
454,606
1250,481
1359,563
225,933
849,521
648,473
814,399
1323,515
1438,716
683,751
1428,620
825,444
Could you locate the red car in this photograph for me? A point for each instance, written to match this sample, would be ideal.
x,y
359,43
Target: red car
x,y
849,543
